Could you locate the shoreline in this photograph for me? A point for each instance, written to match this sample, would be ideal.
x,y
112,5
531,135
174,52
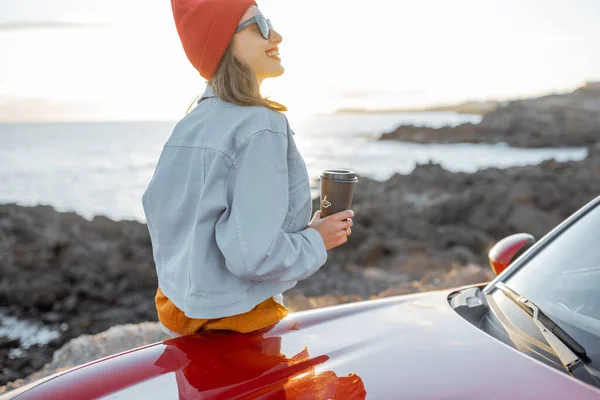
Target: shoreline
x,y
474,108
572,154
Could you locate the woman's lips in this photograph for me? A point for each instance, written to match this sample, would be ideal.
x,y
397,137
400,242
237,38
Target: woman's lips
x,y
275,57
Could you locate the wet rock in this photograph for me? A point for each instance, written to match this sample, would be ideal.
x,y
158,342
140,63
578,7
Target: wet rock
x,y
6,343
463,255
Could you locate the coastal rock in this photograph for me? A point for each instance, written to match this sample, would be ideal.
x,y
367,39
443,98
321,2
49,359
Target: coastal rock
x,y
88,348
83,277
558,120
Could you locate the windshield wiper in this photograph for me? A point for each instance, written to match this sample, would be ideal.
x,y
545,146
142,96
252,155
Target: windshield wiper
x,y
566,348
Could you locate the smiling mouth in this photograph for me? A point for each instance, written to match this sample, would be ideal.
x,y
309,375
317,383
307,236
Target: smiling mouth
x,y
274,56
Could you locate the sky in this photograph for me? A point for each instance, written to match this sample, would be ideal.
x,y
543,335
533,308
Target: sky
x,y
122,59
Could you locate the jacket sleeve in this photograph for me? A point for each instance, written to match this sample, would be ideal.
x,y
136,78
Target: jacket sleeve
x,y
249,233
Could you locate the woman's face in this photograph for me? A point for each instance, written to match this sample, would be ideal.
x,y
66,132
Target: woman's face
x,y
251,48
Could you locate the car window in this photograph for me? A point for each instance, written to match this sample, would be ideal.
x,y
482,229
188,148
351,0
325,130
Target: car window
x,y
563,279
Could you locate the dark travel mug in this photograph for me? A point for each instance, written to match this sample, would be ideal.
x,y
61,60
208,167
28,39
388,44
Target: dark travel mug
x,y
337,190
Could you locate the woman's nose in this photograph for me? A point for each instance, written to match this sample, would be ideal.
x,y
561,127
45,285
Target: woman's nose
x,y
276,38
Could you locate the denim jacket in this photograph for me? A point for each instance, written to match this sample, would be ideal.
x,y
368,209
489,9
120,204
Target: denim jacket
x,y
228,208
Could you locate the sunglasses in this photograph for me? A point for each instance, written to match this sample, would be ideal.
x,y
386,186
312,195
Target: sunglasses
x,y
264,25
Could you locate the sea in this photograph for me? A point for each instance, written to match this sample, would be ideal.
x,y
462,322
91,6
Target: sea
x,y
103,168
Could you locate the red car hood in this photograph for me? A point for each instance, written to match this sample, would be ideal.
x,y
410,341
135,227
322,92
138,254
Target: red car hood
x,y
412,346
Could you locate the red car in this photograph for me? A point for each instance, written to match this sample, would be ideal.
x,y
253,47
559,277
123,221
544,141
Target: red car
x,y
533,332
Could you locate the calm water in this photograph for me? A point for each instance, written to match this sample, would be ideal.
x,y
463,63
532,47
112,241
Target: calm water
x,y
103,168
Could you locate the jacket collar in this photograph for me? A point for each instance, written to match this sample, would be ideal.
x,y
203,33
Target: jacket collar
x,y
208,92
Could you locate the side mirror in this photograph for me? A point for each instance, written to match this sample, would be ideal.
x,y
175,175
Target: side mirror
x,y
506,250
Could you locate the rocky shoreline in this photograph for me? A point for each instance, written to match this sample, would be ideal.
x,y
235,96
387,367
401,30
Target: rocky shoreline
x,y
430,229
571,119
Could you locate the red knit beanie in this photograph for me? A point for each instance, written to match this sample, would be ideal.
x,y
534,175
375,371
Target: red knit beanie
x,y
206,27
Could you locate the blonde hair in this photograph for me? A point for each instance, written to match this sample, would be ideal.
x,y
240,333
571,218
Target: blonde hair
x,y
235,82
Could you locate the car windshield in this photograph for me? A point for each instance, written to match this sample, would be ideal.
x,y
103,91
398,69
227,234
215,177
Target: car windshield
x,y
563,279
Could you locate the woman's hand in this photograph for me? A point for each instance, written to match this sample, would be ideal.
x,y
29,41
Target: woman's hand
x,y
334,229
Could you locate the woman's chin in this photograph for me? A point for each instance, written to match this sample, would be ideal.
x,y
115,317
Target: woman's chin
x,y
273,72
278,71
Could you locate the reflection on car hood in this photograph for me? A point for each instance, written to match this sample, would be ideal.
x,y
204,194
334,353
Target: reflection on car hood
x,y
412,346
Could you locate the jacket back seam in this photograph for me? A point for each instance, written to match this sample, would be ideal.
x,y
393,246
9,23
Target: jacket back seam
x,y
251,136
199,147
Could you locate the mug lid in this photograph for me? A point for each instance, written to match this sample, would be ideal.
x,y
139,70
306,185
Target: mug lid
x,y
339,174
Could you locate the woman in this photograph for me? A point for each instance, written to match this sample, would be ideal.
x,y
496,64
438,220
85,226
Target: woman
x,y
228,204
